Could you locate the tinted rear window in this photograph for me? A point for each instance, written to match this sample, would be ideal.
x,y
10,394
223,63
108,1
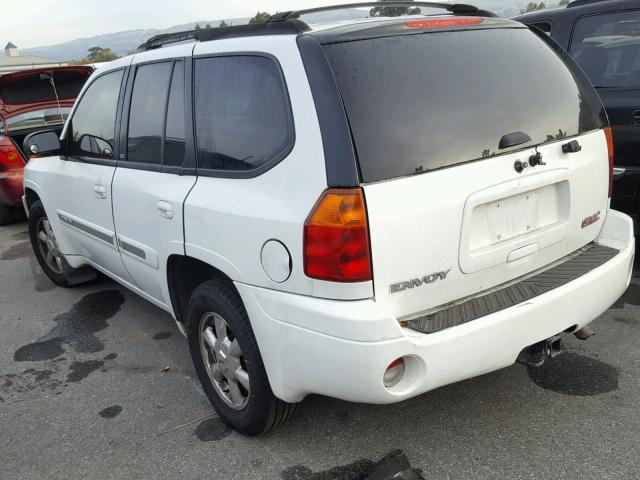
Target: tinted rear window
x,y
421,102
38,88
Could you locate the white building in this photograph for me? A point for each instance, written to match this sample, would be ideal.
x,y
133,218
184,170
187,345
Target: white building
x,y
14,62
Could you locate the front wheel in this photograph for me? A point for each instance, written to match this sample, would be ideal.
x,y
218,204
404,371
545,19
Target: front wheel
x,y
45,245
228,362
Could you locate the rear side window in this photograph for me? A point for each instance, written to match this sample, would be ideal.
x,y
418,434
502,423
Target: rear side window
x,y
92,128
146,116
607,47
174,141
426,101
242,113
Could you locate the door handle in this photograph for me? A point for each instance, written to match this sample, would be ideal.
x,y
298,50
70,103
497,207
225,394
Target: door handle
x,y
100,191
165,208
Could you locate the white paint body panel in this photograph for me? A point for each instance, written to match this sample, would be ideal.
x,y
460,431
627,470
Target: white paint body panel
x,y
67,187
227,221
437,221
341,349
140,223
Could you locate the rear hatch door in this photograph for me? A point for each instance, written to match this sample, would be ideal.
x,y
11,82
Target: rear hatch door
x,y
450,214
39,98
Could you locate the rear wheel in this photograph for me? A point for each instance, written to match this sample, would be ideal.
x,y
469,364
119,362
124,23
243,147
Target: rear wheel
x,y
7,215
45,246
226,357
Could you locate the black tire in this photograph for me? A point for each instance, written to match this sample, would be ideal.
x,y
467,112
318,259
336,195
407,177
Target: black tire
x,y
7,215
19,214
263,411
36,216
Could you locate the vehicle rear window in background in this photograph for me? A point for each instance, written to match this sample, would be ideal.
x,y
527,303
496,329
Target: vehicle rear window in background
x,y
36,89
174,142
607,47
92,128
242,112
146,116
36,119
425,101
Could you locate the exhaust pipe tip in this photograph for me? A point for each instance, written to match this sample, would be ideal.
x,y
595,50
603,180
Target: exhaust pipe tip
x,y
537,354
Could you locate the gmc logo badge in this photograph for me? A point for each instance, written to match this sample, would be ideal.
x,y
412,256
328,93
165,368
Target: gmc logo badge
x,y
590,220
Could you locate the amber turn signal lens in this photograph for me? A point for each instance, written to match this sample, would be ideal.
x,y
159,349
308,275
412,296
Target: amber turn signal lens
x,y
336,238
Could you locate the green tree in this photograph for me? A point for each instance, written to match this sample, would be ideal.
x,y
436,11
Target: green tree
x,y
99,54
260,17
197,27
207,26
392,11
563,2
94,52
223,24
533,6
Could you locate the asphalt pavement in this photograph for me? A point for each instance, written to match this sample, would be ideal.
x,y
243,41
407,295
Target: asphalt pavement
x,y
97,383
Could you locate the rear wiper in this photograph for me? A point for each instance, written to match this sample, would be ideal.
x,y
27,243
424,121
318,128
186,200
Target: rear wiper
x,y
513,139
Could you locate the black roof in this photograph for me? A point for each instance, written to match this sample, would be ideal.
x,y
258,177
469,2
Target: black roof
x,y
454,8
288,23
395,27
206,34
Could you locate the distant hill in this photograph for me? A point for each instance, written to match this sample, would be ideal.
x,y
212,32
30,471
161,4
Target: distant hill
x,y
126,41
119,42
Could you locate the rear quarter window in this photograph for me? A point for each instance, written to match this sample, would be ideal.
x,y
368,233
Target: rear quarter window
x,y
421,102
242,113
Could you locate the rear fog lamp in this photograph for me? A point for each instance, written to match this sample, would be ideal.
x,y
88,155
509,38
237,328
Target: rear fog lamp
x,y
394,373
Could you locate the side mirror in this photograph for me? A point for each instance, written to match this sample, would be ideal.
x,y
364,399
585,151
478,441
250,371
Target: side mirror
x,y
44,143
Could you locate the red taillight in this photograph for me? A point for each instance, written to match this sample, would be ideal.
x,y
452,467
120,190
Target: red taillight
x,y
444,22
10,158
609,134
336,238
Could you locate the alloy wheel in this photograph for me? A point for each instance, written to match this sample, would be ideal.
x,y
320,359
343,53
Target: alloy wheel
x,y
224,361
48,246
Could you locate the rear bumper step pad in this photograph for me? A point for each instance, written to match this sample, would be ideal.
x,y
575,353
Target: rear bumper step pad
x,y
574,266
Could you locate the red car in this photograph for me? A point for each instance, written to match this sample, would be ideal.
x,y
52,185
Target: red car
x,y
29,101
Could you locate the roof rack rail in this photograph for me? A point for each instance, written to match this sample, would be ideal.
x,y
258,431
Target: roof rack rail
x,y
206,34
455,8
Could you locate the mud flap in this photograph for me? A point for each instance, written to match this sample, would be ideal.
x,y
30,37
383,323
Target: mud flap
x,y
76,276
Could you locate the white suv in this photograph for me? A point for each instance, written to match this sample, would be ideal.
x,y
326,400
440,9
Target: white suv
x,y
366,210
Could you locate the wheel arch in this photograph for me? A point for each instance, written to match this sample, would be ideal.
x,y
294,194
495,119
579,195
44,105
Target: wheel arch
x,y
31,196
184,275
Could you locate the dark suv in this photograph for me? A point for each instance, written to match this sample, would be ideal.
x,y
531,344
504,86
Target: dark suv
x,y
603,36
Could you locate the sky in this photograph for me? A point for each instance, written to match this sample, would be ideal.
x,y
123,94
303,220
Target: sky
x,y
34,23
